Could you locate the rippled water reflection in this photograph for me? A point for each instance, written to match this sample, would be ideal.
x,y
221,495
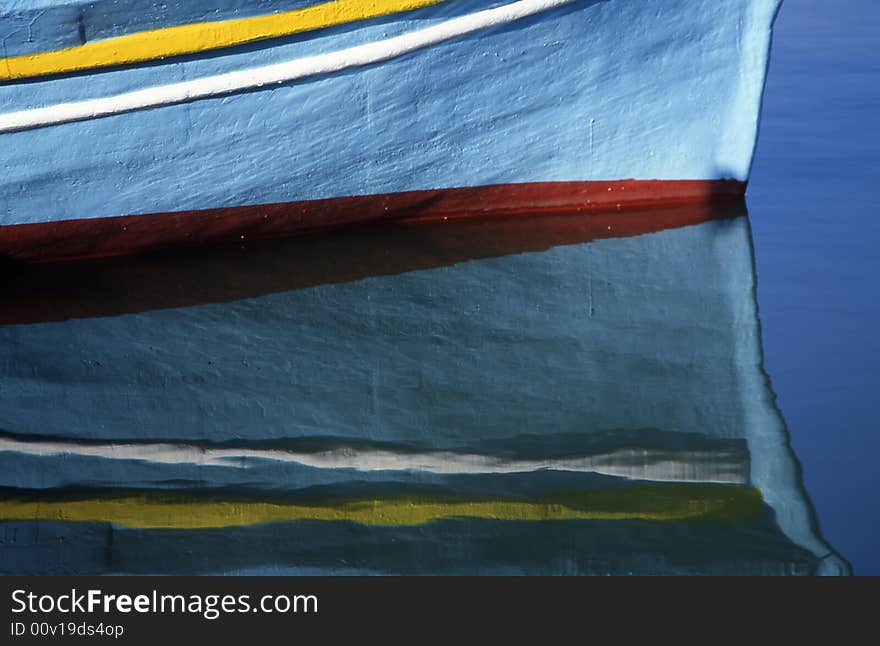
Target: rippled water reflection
x,y
814,204
554,394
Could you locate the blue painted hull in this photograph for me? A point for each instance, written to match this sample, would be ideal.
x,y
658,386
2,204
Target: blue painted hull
x,y
594,90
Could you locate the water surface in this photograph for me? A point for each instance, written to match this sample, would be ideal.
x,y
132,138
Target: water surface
x,y
814,205
537,395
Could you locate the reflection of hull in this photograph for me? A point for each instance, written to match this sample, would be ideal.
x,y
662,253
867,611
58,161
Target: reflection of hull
x,y
223,273
379,109
588,407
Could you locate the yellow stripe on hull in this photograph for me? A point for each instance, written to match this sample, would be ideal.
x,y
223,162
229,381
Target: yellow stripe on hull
x,y
158,511
162,43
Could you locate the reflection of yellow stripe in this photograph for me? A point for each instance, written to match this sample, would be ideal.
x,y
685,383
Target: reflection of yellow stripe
x,y
656,503
199,37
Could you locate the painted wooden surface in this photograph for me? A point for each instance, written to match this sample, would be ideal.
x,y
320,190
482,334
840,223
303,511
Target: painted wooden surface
x,y
159,43
461,93
100,237
398,418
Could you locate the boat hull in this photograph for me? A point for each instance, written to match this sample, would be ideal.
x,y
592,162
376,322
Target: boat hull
x,y
550,107
97,237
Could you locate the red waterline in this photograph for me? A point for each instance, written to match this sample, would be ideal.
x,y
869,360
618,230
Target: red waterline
x,y
123,235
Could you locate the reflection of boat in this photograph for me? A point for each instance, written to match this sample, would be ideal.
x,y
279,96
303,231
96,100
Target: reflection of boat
x,y
45,292
566,404
124,127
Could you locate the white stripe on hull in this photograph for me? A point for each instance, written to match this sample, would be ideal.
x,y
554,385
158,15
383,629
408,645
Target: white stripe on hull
x,y
257,77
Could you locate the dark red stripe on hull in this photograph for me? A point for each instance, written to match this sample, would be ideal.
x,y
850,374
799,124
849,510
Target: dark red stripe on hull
x,y
90,238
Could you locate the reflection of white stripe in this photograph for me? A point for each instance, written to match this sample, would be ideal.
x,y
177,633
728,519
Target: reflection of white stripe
x,y
256,77
636,464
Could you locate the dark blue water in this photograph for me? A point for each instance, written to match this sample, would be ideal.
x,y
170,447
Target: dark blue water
x,y
814,203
